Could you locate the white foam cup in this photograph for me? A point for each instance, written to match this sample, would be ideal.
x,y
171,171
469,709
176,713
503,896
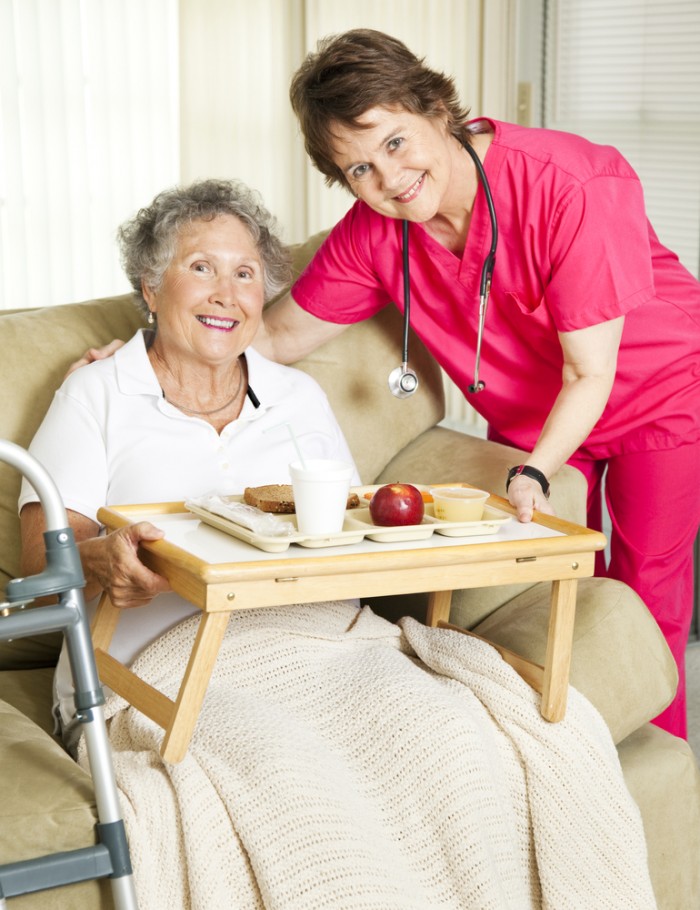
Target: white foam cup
x,y
321,487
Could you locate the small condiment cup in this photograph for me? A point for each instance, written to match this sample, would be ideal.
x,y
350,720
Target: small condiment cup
x,y
459,503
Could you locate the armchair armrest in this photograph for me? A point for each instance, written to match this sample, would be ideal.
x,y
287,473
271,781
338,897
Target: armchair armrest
x,y
440,455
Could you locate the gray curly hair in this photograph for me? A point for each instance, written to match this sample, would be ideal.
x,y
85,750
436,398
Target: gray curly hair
x,y
148,241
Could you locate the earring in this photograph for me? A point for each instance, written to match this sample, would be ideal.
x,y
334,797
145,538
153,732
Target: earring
x,y
151,317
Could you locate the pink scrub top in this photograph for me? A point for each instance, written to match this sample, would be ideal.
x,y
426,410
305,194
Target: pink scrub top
x,y
575,249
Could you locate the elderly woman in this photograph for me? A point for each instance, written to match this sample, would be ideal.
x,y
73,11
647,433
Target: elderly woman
x,y
591,345
184,407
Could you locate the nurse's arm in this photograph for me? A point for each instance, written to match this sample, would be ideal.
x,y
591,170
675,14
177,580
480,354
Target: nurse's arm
x,y
287,332
93,354
588,373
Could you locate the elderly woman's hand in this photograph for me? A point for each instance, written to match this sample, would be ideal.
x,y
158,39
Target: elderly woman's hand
x,y
525,495
109,563
113,563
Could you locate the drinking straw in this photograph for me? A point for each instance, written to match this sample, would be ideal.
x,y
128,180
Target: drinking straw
x,y
293,437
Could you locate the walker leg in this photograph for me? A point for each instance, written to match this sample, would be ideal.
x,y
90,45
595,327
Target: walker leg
x,y
63,575
111,825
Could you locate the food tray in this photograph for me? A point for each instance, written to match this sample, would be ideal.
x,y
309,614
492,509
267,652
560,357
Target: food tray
x,y
279,544
356,527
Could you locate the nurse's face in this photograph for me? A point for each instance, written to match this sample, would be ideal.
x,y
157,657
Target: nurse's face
x,y
401,164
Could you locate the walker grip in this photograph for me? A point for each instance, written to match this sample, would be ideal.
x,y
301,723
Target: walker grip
x,y
63,570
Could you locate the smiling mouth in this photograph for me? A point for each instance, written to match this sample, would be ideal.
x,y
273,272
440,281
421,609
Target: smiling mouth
x,y
212,322
412,192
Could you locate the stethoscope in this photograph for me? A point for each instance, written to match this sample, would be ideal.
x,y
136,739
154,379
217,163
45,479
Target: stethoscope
x,y
403,381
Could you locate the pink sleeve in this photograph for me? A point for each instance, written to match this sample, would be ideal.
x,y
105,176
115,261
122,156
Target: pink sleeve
x,y
340,283
601,262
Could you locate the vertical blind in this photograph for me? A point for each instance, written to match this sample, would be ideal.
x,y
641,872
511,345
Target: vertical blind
x,y
88,133
627,73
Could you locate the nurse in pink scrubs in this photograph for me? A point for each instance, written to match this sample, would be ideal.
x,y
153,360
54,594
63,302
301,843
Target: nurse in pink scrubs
x,y
591,350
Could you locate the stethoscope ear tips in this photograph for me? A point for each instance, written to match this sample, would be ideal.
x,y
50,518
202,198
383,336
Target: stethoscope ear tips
x,y
477,387
403,381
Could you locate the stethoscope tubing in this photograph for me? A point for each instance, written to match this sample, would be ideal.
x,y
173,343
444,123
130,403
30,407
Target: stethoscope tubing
x,y
478,385
406,291
490,261
395,379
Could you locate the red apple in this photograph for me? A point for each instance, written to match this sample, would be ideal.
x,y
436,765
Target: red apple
x,y
397,504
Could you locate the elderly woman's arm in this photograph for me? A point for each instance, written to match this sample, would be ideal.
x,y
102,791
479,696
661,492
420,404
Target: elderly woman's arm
x,y
110,563
588,373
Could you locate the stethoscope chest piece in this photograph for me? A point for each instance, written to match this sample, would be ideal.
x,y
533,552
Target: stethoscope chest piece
x,y
403,381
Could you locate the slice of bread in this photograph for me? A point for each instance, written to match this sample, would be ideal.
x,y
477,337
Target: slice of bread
x,y
274,497
278,497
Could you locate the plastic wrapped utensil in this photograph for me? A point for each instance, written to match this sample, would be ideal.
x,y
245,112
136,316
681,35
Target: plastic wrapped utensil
x,y
265,524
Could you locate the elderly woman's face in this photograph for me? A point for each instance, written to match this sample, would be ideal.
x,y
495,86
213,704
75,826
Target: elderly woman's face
x,y
401,164
209,304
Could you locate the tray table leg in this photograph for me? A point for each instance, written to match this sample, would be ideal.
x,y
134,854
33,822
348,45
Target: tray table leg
x,y
210,634
439,603
559,646
552,680
104,623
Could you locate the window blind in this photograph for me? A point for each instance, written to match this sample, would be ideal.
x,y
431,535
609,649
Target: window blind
x,y
627,73
88,133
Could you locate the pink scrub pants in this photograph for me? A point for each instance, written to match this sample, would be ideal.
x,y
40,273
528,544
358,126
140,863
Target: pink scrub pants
x,y
653,500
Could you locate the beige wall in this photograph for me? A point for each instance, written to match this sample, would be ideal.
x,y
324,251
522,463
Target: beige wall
x,y
237,58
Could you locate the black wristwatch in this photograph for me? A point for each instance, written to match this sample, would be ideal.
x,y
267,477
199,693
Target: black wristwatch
x,y
529,472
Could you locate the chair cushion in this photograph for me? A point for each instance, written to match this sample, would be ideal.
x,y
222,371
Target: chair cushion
x,y
441,455
31,693
46,806
353,369
37,347
662,775
620,662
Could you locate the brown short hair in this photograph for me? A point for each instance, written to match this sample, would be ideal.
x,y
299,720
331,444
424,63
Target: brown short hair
x,y
358,70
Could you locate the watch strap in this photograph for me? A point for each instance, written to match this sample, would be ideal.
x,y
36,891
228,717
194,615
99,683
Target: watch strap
x,y
531,472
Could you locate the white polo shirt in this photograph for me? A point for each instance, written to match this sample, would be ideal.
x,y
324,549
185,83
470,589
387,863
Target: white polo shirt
x,y
110,437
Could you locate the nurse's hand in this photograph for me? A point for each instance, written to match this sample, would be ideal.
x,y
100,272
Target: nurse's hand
x,y
93,354
526,495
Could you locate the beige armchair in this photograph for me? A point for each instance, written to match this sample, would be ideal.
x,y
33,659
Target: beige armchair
x,y
620,660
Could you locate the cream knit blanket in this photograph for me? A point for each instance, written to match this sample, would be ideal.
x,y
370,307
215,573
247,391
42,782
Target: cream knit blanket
x,y
344,762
